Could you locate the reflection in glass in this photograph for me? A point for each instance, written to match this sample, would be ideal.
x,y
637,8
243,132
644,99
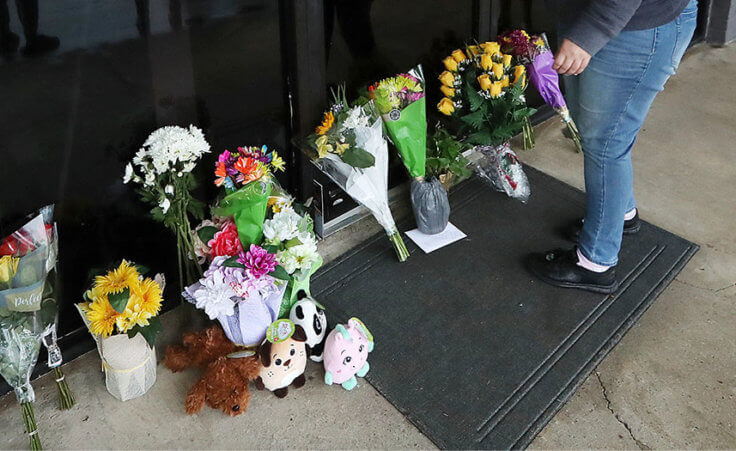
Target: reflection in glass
x,y
73,115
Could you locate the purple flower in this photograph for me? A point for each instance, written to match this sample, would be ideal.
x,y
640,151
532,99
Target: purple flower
x,y
229,159
414,96
257,261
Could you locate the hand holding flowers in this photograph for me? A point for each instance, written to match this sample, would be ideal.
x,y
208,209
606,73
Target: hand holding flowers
x,y
535,54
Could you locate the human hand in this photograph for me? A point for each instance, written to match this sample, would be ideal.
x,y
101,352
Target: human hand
x,y
571,59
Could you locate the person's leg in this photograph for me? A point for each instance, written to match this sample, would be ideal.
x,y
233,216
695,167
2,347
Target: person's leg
x,y
615,94
612,98
8,40
36,43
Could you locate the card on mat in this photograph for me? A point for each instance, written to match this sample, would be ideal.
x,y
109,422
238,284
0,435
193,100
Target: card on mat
x,y
430,243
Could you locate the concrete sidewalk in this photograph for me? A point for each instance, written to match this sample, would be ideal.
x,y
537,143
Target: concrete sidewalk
x,y
670,383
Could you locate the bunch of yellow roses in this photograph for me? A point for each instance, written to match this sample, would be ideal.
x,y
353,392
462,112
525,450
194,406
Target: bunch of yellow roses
x,y
494,72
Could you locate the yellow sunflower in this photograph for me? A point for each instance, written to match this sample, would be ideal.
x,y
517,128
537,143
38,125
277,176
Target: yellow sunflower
x,y
148,298
117,280
129,318
102,317
326,124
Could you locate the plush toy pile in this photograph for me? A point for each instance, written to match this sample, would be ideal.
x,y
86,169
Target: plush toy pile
x,y
261,250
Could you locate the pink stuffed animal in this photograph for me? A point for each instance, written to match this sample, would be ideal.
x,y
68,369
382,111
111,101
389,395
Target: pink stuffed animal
x,y
346,353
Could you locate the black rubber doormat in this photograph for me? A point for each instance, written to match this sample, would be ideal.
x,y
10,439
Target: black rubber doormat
x,y
469,346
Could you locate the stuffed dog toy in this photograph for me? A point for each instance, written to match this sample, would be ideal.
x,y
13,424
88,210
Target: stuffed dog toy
x,y
284,358
224,384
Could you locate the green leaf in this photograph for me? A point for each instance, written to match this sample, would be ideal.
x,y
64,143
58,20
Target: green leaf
x,y
119,301
271,249
358,158
475,119
482,137
232,262
142,269
149,332
280,273
474,99
207,233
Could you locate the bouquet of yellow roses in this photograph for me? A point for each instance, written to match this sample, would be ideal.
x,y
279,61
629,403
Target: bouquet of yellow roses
x,y
485,91
121,314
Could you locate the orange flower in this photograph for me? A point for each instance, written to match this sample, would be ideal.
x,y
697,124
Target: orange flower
x,y
327,122
221,173
250,168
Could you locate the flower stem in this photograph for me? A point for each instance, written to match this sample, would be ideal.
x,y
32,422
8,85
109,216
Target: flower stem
x,y
401,251
66,397
528,134
29,422
178,256
574,135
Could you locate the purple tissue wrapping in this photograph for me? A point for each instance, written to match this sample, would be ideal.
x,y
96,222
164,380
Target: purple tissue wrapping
x,y
546,80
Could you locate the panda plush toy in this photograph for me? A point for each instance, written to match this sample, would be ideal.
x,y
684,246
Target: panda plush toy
x,y
308,314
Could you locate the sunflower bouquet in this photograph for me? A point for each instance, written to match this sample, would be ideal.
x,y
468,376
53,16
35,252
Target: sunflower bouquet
x,y
246,175
534,52
120,312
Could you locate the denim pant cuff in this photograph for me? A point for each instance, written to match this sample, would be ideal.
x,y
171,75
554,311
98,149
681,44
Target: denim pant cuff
x,y
591,256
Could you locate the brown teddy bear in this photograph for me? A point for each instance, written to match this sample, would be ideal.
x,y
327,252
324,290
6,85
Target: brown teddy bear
x,y
224,384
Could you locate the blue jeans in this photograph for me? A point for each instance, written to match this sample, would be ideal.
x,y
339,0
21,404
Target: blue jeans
x,y
609,101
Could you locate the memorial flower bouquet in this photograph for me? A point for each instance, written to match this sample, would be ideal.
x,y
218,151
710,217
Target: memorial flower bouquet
x,y
366,185
121,312
290,236
484,91
243,293
336,134
28,312
401,103
163,170
246,175
534,52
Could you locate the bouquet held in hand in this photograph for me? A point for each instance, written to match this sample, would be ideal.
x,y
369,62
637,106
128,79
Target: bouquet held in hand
x,y
535,54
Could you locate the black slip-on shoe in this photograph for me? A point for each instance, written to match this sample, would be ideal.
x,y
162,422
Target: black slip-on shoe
x,y
572,232
559,268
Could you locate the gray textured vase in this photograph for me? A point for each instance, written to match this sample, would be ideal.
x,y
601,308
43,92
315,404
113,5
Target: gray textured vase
x,y
431,206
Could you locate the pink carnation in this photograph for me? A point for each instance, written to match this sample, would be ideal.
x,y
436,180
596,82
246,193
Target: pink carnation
x,y
226,241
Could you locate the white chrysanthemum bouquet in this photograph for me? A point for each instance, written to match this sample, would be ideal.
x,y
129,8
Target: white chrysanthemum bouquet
x,y
162,168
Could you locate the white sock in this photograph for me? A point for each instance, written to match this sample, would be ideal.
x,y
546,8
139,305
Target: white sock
x,y
630,215
589,265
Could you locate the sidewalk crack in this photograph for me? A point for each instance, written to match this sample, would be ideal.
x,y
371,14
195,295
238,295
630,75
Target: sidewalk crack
x,y
618,418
